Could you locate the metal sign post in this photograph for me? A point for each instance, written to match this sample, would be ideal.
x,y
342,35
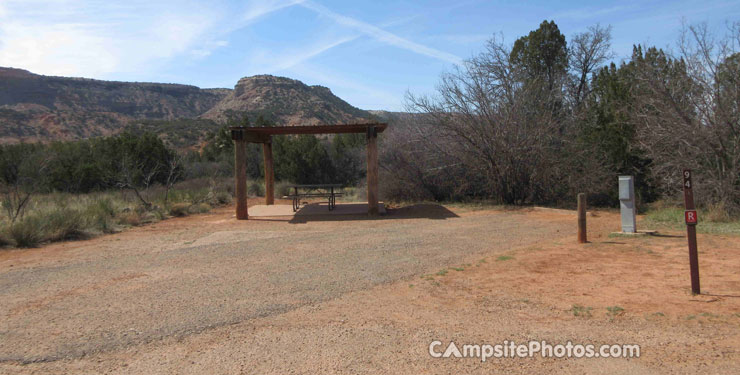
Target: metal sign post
x,y
691,219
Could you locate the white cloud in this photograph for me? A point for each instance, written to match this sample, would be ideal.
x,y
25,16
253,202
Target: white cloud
x,y
264,62
380,34
257,8
62,49
105,37
208,48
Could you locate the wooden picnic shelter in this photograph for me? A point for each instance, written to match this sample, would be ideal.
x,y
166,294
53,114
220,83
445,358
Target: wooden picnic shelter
x,y
263,135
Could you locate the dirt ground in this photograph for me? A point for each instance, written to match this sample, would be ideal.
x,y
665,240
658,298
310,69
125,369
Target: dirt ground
x,y
209,294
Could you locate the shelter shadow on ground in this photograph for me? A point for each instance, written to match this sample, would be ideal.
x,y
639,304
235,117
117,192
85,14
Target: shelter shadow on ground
x,y
417,211
312,209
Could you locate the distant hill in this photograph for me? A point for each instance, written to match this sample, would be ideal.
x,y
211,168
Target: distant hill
x,y
44,108
285,101
36,107
391,117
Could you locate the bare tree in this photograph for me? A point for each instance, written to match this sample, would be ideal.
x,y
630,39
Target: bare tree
x,y
174,173
687,109
491,131
588,51
136,176
22,171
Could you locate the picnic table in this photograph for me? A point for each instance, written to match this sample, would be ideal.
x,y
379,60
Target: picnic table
x,y
314,191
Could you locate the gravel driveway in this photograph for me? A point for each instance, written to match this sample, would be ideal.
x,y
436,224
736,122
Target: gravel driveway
x,y
185,276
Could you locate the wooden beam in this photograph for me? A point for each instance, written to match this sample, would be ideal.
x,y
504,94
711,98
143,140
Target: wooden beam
x,y
372,171
269,174
253,137
240,175
240,133
256,134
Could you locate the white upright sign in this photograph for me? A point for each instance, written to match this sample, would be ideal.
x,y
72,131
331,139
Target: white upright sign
x,y
627,203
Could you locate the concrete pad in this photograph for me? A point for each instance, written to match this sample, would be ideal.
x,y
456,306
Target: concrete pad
x,y
312,209
638,233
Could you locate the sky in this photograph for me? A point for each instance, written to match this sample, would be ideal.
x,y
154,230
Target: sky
x,y
369,53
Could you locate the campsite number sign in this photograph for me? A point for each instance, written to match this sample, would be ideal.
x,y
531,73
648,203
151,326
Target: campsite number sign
x,y
687,179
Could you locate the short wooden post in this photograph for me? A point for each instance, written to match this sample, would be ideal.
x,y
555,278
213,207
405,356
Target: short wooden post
x,y
240,166
269,173
372,171
582,218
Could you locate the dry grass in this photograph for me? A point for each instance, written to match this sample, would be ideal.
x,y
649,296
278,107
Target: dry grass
x,y
179,209
60,216
713,220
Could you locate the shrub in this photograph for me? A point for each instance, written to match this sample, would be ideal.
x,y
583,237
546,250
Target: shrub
x,y
131,218
282,188
27,232
200,208
179,209
99,215
150,216
105,206
63,224
222,197
355,193
256,189
4,240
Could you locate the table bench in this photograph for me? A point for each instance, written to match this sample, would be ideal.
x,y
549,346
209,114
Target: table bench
x,y
314,191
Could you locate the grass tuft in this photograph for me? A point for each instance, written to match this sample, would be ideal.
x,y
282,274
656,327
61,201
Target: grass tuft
x,y
614,311
100,214
64,224
27,232
581,311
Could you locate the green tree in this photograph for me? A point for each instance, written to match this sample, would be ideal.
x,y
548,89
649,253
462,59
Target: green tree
x,y
73,167
302,159
218,145
609,131
542,54
346,152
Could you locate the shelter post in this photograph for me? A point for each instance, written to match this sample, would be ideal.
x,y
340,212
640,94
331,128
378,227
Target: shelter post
x,y
240,172
269,173
372,170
